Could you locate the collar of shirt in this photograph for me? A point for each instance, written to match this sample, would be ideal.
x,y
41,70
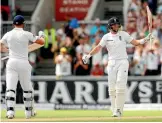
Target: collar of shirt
x,y
18,28
117,34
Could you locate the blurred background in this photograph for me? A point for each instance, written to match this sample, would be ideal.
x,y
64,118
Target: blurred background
x,y
73,28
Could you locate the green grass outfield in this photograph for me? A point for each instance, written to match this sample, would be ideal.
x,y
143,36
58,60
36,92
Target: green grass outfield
x,y
85,115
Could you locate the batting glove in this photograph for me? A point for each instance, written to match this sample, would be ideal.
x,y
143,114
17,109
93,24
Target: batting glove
x,y
85,58
41,34
149,37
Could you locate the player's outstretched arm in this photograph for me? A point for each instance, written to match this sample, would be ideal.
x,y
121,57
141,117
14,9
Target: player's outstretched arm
x,y
95,50
142,41
40,40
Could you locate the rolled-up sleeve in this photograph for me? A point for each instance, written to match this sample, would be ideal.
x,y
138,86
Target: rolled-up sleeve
x,y
103,41
127,37
31,37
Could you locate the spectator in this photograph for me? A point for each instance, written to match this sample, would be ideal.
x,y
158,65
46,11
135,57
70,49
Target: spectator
x,y
159,9
61,31
97,58
50,39
86,39
135,5
131,16
63,63
80,69
159,32
131,26
82,48
72,24
144,4
155,26
142,22
75,39
18,10
152,60
97,70
70,48
138,61
83,29
71,51
58,43
97,27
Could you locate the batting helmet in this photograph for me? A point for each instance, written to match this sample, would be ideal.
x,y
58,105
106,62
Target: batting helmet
x,y
112,21
18,20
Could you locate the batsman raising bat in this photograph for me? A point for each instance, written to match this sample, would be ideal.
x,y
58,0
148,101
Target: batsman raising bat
x,y
18,67
115,42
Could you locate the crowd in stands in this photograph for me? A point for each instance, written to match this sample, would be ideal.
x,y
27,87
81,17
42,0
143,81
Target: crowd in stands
x,y
6,11
146,59
67,44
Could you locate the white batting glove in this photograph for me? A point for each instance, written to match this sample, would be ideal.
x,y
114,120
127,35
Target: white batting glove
x,y
149,37
85,58
41,34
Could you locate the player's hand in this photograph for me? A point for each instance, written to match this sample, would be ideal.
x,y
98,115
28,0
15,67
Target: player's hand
x,y
41,34
149,37
85,58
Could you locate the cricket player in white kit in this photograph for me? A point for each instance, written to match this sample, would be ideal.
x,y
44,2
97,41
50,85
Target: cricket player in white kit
x,y
115,42
18,67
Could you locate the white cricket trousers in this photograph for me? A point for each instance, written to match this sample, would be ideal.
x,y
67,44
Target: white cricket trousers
x,y
18,69
117,73
117,80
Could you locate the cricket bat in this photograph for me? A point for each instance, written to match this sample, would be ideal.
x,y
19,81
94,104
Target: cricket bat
x,y
149,17
31,48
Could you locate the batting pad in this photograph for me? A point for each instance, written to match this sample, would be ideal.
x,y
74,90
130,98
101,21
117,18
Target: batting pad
x,y
112,99
120,99
28,102
10,101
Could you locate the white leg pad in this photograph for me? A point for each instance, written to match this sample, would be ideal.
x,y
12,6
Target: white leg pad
x,y
10,101
120,99
28,102
112,95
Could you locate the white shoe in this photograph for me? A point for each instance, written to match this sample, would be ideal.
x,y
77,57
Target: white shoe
x,y
34,113
10,115
30,114
117,113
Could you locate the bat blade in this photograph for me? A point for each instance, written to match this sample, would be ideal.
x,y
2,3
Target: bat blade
x,y
149,17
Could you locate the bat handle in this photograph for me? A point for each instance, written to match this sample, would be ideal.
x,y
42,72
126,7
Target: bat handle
x,y
151,43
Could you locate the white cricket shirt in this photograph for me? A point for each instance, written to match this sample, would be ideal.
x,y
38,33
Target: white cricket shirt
x,y
116,44
17,41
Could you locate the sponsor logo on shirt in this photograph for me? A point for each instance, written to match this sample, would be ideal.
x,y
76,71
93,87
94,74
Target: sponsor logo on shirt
x,y
109,40
120,38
